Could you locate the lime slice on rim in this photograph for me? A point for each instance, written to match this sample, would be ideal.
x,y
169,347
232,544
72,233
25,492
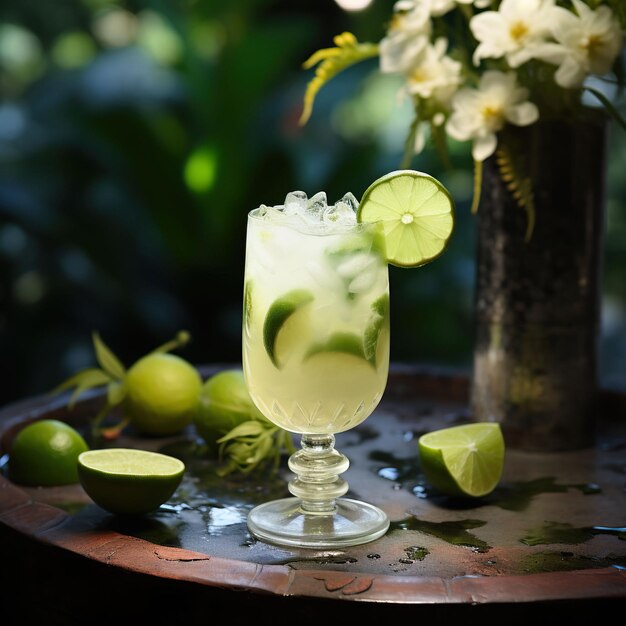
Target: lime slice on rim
x,y
417,214
464,460
277,316
127,481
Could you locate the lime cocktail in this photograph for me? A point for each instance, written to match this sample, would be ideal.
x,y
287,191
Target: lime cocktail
x,y
316,357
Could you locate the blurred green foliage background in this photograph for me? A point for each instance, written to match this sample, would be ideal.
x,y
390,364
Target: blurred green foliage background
x,y
135,137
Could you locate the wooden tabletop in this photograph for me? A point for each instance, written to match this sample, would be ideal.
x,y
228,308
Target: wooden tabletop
x,y
551,536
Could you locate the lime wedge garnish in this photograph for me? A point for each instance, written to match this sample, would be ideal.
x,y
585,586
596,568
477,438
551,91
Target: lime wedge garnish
x,y
346,343
277,315
417,214
375,324
463,460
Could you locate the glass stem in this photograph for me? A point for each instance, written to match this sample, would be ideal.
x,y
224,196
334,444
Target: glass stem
x,y
317,467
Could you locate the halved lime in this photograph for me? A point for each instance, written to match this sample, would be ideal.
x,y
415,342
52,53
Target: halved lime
x,y
464,460
416,212
277,315
128,481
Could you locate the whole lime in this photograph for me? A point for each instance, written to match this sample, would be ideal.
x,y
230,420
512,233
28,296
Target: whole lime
x,y
45,453
224,404
162,392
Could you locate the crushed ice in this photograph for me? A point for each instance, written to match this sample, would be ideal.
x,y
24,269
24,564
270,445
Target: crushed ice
x,y
300,210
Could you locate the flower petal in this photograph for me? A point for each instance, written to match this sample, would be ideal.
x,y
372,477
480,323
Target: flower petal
x,y
522,114
570,74
483,147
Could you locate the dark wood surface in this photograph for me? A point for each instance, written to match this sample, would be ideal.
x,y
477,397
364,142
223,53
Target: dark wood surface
x,y
547,540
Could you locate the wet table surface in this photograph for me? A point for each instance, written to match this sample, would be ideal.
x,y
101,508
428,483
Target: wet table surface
x,y
552,532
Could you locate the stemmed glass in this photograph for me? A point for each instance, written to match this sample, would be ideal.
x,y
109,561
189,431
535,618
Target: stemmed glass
x,y
316,359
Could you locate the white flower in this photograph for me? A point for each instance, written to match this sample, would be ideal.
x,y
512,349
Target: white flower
x,y
441,7
513,31
408,35
587,43
434,76
478,114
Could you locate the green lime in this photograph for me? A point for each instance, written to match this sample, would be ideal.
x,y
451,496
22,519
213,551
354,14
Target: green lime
x,y
162,393
416,212
464,460
44,453
127,481
224,404
278,315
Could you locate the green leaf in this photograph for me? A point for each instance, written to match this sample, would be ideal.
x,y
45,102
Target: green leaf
x,y
107,360
116,392
245,429
253,445
84,380
332,61
608,106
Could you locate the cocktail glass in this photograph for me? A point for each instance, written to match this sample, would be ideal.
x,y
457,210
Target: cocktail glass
x,y
316,360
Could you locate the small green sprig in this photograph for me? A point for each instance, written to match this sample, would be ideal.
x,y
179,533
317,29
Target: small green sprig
x,y
253,445
332,61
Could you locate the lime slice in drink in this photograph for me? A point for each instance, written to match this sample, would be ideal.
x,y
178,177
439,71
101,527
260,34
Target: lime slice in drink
x,y
464,460
417,214
346,343
126,481
275,325
375,325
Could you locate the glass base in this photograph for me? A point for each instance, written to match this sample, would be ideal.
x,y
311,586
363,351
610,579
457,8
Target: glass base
x,y
283,522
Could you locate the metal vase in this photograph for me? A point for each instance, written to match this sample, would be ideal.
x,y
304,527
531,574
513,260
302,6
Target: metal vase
x,y
537,301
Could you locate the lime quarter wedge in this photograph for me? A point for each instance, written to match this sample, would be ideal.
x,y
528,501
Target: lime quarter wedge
x,y
127,481
277,315
464,460
417,214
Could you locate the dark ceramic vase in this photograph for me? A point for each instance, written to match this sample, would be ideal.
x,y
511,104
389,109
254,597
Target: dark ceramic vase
x,y
537,305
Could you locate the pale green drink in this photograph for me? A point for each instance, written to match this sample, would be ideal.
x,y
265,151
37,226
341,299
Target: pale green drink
x,y
315,357
316,322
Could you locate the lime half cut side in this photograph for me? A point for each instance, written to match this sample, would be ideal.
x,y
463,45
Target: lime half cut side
x,y
464,460
127,481
416,212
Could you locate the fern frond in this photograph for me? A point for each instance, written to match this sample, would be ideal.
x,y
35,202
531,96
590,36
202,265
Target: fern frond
x,y
332,61
520,187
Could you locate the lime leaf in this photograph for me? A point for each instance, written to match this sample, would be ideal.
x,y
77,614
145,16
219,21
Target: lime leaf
x,y
107,360
82,381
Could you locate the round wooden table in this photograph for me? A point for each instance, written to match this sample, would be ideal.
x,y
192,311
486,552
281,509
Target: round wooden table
x,y
548,540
